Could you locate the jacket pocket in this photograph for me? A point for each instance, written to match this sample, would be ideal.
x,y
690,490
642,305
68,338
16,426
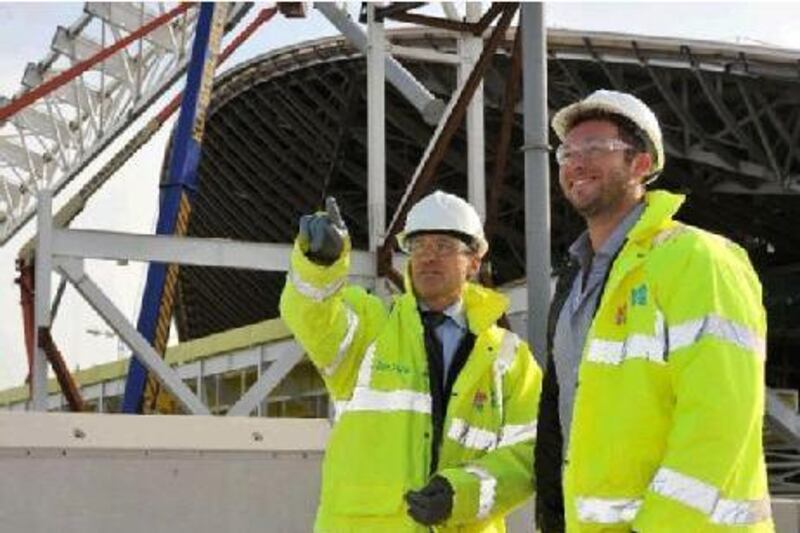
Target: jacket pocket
x,y
367,500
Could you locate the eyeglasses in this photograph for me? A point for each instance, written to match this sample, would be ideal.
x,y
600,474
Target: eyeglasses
x,y
589,150
439,246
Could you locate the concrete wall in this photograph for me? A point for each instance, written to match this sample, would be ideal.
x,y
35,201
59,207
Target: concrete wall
x,y
786,514
115,473
87,473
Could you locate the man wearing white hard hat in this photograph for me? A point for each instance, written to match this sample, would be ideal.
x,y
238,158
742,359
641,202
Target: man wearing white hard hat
x,y
653,395
435,403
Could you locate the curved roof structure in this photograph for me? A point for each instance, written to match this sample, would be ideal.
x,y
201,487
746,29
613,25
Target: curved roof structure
x,y
288,128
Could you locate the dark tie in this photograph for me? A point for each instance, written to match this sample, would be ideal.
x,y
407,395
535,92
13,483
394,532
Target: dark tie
x,y
433,346
433,319
430,321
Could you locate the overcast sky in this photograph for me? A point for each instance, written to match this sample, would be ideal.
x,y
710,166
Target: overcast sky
x,y
129,201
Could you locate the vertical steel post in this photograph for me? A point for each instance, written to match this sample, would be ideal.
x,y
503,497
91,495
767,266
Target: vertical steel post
x,y
44,271
537,174
376,130
470,48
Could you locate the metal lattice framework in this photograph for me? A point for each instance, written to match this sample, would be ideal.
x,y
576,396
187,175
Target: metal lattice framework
x,y
729,108
287,128
47,143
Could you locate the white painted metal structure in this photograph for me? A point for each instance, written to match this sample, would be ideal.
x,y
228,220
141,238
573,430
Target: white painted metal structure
x,y
396,74
47,144
376,129
470,47
102,393
64,250
273,357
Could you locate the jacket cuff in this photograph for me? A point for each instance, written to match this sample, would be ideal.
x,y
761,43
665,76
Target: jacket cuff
x,y
318,282
466,495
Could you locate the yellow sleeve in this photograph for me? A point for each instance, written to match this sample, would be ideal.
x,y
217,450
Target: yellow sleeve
x,y
332,321
712,475
502,479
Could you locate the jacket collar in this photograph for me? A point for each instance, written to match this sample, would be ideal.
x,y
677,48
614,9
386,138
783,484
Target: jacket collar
x,y
659,210
660,206
482,306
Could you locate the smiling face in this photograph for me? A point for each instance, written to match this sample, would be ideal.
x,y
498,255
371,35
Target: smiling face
x,y
599,177
440,265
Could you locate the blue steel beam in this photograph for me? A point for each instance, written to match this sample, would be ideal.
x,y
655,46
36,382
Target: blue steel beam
x,y
179,189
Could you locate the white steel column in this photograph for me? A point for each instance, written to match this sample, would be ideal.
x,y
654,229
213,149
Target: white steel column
x,y
470,47
43,272
376,134
450,10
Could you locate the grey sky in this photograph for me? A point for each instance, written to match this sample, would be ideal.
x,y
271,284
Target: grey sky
x,y
128,203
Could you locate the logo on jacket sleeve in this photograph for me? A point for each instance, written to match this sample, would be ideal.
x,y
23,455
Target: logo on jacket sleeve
x,y
622,315
639,295
479,400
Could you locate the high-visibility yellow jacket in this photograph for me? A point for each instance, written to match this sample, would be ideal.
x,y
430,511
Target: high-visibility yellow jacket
x,y
375,368
667,425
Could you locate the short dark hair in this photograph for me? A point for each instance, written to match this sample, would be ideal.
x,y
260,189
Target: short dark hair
x,y
629,132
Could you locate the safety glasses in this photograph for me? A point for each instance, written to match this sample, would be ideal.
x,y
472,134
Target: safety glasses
x,y
438,246
589,150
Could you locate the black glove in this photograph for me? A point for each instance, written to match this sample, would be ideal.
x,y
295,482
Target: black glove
x,y
433,503
322,235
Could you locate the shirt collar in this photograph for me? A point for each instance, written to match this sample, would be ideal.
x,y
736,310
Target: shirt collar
x,y
581,249
454,312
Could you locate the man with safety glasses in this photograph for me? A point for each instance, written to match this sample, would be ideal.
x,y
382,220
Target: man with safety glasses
x,y
435,403
653,396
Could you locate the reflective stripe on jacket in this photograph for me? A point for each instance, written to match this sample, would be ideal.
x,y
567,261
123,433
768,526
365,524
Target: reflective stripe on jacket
x,y
667,428
375,368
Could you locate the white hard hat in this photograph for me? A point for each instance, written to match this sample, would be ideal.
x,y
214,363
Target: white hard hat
x,y
617,103
446,213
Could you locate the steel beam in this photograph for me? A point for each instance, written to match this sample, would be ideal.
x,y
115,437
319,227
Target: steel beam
x,y
684,115
722,109
434,22
762,134
278,369
393,8
784,419
225,253
794,139
489,17
777,123
69,388
537,176
415,92
450,10
454,113
56,81
145,353
376,129
423,54
768,188
44,270
470,48
504,138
